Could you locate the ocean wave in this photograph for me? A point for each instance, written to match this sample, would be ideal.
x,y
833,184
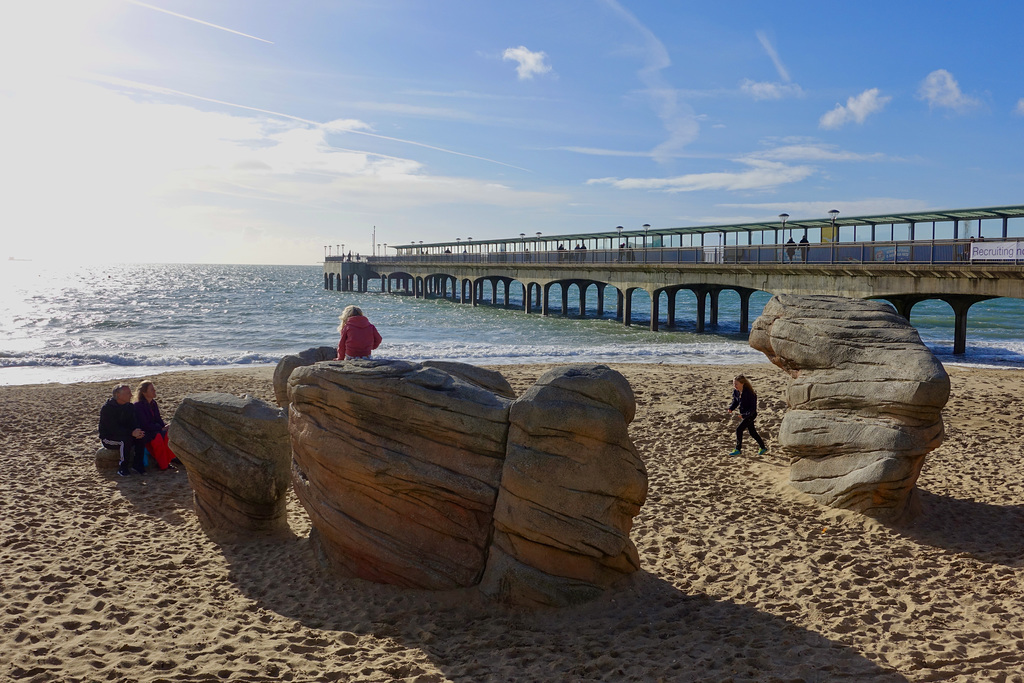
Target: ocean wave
x,y
71,360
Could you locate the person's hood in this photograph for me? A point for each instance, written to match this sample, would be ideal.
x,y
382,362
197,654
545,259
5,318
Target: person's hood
x,y
358,321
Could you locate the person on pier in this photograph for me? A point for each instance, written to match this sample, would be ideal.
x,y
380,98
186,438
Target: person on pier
x,y
804,246
790,249
358,336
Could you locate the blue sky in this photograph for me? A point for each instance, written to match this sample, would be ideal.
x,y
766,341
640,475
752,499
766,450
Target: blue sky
x,y
257,132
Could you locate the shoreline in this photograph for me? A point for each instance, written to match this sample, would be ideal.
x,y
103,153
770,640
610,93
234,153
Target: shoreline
x,y
109,578
130,373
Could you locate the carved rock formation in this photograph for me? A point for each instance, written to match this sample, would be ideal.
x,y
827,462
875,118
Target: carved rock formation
x,y
398,467
238,458
865,401
571,485
422,477
287,365
490,380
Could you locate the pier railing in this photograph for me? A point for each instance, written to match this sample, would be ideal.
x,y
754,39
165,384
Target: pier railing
x,y
947,252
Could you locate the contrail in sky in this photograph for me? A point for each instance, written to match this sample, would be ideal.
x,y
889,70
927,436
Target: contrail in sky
x,y
198,21
318,124
776,60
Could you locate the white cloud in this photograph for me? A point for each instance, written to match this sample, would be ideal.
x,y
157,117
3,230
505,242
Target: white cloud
x,y
599,152
769,91
940,89
530,63
197,180
860,207
761,175
1020,107
857,109
814,152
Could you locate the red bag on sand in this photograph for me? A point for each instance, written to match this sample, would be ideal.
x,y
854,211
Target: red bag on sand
x,y
161,453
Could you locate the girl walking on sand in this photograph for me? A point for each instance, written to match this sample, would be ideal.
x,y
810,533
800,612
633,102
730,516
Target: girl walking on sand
x,y
743,395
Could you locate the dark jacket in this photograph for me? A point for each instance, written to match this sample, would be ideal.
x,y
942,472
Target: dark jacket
x,y
117,421
747,401
358,338
147,416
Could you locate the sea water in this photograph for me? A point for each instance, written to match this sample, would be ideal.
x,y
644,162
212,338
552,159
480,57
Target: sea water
x,y
99,322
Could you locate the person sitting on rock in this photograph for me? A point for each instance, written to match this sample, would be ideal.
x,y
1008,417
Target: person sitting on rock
x,y
358,336
119,430
147,416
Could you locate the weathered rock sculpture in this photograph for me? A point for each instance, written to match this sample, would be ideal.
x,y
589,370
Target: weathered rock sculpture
x,y
865,401
287,365
400,467
238,459
572,483
490,380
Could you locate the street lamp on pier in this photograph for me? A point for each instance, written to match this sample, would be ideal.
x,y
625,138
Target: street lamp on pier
x,y
325,251
646,226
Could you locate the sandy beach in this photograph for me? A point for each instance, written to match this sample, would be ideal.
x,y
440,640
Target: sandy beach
x,y
112,579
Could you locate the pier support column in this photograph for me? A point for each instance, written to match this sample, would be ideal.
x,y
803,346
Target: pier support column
x,y
546,294
474,297
627,308
527,298
714,306
655,314
701,300
618,304
583,287
565,298
600,299
744,309
960,306
671,294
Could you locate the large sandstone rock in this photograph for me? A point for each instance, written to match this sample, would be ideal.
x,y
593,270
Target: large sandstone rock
x,y
571,485
398,467
491,380
287,365
238,459
865,400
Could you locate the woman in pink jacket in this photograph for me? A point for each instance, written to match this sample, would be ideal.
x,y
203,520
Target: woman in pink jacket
x,y
358,337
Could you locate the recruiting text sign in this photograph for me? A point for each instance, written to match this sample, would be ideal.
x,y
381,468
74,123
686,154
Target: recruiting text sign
x,y
997,251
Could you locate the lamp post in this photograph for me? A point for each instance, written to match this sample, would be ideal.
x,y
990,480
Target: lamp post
x,y
325,251
342,252
536,246
646,227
